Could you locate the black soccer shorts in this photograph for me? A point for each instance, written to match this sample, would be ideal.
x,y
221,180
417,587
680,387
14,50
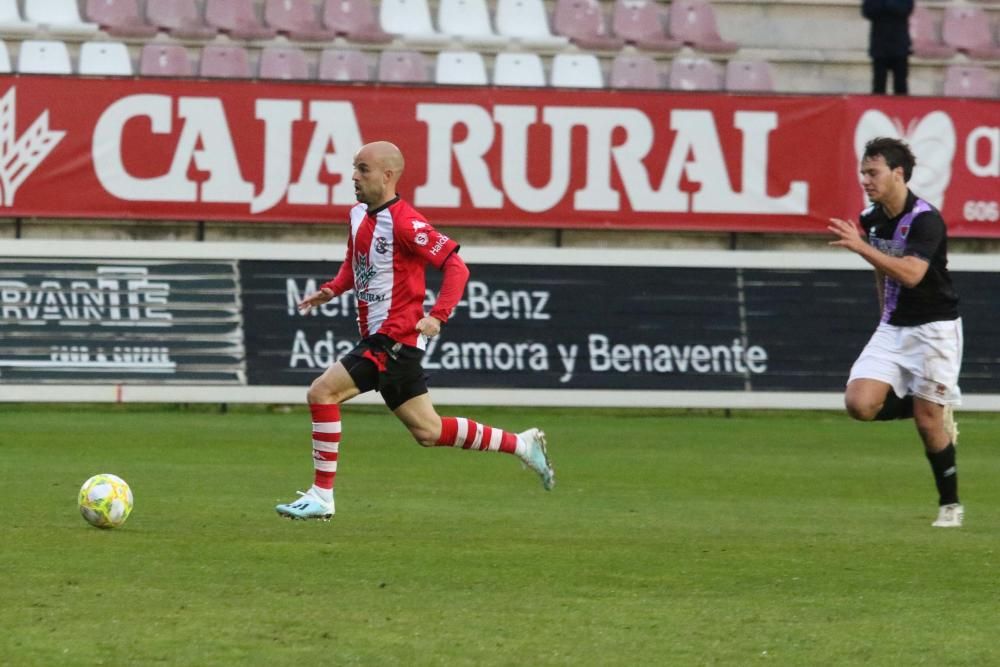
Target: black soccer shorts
x,y
390,368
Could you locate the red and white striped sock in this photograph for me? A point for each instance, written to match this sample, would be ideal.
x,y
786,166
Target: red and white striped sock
x,y
468,434
325,446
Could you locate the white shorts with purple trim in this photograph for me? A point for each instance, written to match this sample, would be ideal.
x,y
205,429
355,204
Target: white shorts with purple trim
x,y
923,360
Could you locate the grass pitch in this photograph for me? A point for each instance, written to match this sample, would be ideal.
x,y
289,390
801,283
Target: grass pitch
x,y
670,539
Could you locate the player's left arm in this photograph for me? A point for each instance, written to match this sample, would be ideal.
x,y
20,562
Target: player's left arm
x,y
908,270
455,276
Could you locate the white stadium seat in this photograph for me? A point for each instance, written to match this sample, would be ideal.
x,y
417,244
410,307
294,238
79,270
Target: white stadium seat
x,y
40,56
61,17
465,68
105,58
576,70
518,69
528,22
11,22
411,20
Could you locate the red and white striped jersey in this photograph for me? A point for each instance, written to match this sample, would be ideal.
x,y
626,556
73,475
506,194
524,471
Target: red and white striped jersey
x,y
389,249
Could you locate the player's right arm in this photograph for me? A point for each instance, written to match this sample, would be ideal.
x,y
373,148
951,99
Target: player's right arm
x,y
342,282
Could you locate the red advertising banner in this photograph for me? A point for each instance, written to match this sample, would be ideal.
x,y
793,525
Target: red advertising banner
x,y
256,151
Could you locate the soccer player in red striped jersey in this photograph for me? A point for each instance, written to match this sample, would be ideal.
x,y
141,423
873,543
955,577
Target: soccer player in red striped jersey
x,y
388,248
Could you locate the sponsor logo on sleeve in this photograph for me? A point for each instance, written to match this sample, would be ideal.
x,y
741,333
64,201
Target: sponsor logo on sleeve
x,y
442,240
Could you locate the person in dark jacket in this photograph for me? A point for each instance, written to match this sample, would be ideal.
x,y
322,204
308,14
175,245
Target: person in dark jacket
x,y
889,42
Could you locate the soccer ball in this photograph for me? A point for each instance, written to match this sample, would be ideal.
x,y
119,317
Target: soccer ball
x,y
105,501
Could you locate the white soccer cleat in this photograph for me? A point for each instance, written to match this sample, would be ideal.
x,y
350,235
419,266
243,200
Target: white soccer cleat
x,y
950,425
537,456
309,506
950,516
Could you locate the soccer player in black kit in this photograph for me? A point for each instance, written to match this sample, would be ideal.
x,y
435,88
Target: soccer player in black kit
x,y
910,366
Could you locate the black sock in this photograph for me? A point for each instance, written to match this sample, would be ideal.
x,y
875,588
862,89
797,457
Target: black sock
x,y
945,474
895,407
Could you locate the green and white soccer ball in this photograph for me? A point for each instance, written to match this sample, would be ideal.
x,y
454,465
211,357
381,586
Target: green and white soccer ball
x,y
105,501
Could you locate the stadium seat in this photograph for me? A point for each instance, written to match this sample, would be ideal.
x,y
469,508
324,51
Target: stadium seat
x,y
238,18
967,28
165,60
640,22
230,62
693,23
61,17
119,18
344,65
470,21
297,19
635,71
694,74
43,56
411,20
104,59
356,20
402,67
5,67
582,21
528,23
518,69
282,62
749,76
968,81
11,21
576,70
180,18
464,68
924,35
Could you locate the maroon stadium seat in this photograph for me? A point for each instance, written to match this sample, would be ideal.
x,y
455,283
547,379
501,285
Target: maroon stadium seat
x,y
356,20
582,21
180,17
230,62
925,37
298,19
967,28
165,60
641,23
749,76
120,18
694,74
693,23
238,18
635,71
344,65
283,63
402,67
968,81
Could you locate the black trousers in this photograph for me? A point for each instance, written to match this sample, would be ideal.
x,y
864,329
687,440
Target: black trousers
x,y
899,66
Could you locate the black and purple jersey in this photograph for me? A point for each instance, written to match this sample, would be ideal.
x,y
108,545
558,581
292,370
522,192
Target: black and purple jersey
x,y
919,231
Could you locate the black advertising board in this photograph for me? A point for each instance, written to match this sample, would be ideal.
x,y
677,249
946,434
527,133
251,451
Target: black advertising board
x,y
611,327
120,321
667,325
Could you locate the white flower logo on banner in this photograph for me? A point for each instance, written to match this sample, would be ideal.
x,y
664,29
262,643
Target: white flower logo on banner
x,y
932,140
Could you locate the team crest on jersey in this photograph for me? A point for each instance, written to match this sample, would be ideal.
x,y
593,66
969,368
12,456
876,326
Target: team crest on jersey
x,y
904,230
364,271
381,245
420,239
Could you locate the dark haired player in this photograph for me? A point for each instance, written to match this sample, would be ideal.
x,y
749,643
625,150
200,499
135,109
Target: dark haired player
x,y
910,366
